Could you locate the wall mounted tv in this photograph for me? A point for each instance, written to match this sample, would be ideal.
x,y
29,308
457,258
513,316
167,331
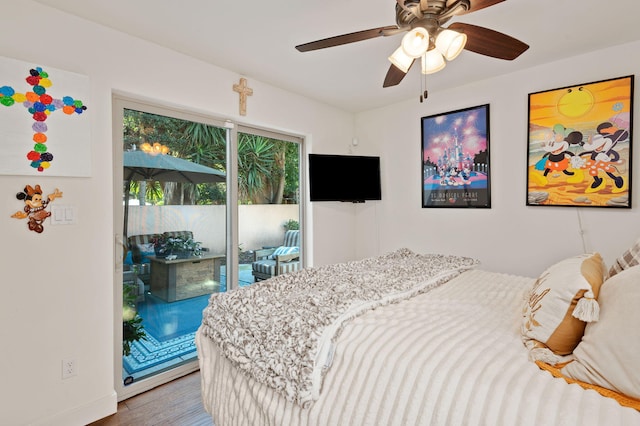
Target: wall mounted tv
x,y
344,178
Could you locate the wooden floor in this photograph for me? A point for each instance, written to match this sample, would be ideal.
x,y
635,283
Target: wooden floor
x,y
176,403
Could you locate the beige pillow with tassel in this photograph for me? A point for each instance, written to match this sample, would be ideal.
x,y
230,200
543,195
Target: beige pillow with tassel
x,y
560,303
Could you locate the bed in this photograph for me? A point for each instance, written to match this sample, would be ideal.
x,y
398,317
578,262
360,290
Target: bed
x,y
449,348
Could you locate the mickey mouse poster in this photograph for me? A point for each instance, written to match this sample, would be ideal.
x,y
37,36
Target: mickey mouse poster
x,y
580,145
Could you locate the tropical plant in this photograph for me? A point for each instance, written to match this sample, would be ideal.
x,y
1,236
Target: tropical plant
x,y
291,225
176,245
255,160
132,328
205,144
146,192
291,172
267,168
184,245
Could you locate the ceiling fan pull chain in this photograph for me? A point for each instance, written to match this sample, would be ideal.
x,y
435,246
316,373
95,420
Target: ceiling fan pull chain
x,y
426,92
423,86
423,82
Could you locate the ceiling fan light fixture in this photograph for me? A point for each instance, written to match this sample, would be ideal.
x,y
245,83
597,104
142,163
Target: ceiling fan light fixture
x,y
401,60
416,42
450,43
432,62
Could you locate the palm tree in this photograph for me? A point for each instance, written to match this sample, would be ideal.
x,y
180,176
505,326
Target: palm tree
x,y
258,161
264,164
256,158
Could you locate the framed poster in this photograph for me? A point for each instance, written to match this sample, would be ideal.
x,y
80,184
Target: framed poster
x,y
455,159
579,145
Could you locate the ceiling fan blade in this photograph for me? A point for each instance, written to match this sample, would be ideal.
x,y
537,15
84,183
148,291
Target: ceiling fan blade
x,y
394,76
480,4
348,38
489,42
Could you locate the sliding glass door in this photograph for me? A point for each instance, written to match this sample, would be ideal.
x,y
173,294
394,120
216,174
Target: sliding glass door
x,y
268,203
200,203
174,240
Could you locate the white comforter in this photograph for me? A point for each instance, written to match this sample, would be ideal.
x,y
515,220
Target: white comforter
x,y
282,331
452,356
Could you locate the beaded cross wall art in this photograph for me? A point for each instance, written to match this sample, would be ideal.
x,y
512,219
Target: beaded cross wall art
x,y
42,112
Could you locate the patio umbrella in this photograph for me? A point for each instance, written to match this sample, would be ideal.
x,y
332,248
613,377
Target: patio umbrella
x,y
138,165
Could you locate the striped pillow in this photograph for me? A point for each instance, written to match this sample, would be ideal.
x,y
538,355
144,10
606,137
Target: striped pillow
x,y
628,259
284,250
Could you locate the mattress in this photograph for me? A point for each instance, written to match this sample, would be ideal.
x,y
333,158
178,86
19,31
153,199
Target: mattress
x,y
452,356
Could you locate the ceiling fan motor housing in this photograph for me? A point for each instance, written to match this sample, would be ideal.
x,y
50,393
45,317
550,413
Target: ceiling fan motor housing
x,y
412,14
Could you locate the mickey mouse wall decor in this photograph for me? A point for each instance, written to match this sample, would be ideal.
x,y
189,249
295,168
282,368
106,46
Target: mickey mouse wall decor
x,y
580,145
35,206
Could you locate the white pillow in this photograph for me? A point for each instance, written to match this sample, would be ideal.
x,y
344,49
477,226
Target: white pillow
x,y
609,354
146,250
553,320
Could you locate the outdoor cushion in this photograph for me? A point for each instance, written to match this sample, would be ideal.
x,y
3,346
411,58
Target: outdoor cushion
x,y
268,267
145,251
284,250
139,243
128,259
265,267
292,238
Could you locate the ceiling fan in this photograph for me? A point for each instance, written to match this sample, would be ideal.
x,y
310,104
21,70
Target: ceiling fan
x,y
427,39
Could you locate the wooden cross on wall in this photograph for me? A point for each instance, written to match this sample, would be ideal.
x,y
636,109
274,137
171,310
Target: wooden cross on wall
x,y
243,91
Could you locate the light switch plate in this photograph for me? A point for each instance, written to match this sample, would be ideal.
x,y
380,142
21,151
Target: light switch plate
x,y
63,215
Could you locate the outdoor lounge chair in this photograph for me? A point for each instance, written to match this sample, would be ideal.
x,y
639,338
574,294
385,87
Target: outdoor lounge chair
x,y
276,261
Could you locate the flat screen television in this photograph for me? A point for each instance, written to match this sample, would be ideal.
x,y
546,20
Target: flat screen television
x,y
350,178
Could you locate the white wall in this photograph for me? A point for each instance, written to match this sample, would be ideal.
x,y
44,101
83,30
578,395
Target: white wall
x,y
58,286
259,224
509,237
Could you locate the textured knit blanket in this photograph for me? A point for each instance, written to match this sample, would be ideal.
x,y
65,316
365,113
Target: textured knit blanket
x,y
282,331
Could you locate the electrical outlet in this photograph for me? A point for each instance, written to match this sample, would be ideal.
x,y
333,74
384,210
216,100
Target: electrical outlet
x,y
69,368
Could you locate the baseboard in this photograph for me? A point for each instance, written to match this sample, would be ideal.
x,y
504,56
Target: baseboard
x,y
85,414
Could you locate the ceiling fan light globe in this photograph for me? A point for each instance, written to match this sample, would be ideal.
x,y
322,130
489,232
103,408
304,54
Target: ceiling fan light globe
x,y
401,60
451,43
432,62
416,42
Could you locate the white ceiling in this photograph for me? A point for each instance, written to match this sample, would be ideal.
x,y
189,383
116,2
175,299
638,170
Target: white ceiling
x,y
256,39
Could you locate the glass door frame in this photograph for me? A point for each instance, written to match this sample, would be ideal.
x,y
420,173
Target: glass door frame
x,y
120,101
302,165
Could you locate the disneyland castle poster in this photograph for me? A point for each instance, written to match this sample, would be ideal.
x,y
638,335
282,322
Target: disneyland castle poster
x,y
455,159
